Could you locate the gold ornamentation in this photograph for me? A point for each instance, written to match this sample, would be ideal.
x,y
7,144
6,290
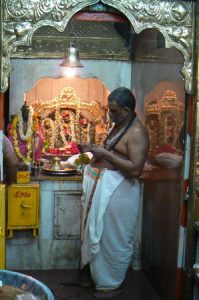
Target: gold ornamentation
x,y
48,130
66,125
164,120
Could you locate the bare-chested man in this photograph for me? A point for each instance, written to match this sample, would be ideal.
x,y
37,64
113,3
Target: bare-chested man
x,y
112,194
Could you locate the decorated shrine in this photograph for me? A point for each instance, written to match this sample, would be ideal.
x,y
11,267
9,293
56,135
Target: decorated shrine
x,y
164,119
137,44
66,121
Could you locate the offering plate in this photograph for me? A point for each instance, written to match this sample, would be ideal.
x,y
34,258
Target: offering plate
x,y
58,167
64,171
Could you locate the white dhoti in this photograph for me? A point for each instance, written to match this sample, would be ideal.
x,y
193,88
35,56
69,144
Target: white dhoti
x,y
107,239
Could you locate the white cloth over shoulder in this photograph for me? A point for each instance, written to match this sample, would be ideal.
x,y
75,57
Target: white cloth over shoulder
x,y
108,236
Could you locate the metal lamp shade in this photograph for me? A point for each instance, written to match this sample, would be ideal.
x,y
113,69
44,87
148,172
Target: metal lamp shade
x,y
71,59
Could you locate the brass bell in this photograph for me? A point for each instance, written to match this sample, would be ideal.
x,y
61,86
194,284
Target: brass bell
x,y
71,58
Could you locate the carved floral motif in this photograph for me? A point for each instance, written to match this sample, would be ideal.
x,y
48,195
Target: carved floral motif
x,y
174,19
21,18
36,9
17,8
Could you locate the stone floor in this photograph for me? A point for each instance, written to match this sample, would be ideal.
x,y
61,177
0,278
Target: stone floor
x,y
136,286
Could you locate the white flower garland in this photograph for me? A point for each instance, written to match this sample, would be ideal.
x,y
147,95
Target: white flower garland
x,y
14,131
28,134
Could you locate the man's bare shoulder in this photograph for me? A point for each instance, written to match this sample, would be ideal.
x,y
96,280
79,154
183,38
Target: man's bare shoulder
x,y
137,128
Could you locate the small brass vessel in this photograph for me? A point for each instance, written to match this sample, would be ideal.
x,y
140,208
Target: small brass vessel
x,y
56,164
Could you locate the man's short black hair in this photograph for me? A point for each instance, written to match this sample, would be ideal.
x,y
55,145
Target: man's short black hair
x,y
123,97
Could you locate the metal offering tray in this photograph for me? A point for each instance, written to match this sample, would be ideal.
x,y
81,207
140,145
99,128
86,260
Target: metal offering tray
x,y
63,171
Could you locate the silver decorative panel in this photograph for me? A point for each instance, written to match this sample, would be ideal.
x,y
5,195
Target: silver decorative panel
x,y
174,19
19,19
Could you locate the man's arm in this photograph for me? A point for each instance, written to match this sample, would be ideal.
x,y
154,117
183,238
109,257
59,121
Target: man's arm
x,y
10,161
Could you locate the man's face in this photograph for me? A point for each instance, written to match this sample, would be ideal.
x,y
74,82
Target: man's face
x,y
116,113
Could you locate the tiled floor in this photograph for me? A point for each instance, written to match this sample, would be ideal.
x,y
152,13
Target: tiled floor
x,y
136,286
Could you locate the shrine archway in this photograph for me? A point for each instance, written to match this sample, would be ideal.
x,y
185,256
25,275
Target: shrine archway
x,y
173,19
20,19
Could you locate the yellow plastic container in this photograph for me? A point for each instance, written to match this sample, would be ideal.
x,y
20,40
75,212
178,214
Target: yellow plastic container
x,y
2,227
23,207
23,176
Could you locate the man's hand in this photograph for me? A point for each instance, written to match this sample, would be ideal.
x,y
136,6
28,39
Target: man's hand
x,y
98,152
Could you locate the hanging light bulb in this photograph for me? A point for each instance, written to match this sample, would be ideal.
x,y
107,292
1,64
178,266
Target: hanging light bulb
x,y
71,57
69,72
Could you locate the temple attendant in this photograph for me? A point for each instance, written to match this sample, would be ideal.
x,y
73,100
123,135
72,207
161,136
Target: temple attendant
x,y
111,196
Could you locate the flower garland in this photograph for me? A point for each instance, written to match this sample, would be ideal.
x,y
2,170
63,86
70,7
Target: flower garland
x,y
16,131
24,137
